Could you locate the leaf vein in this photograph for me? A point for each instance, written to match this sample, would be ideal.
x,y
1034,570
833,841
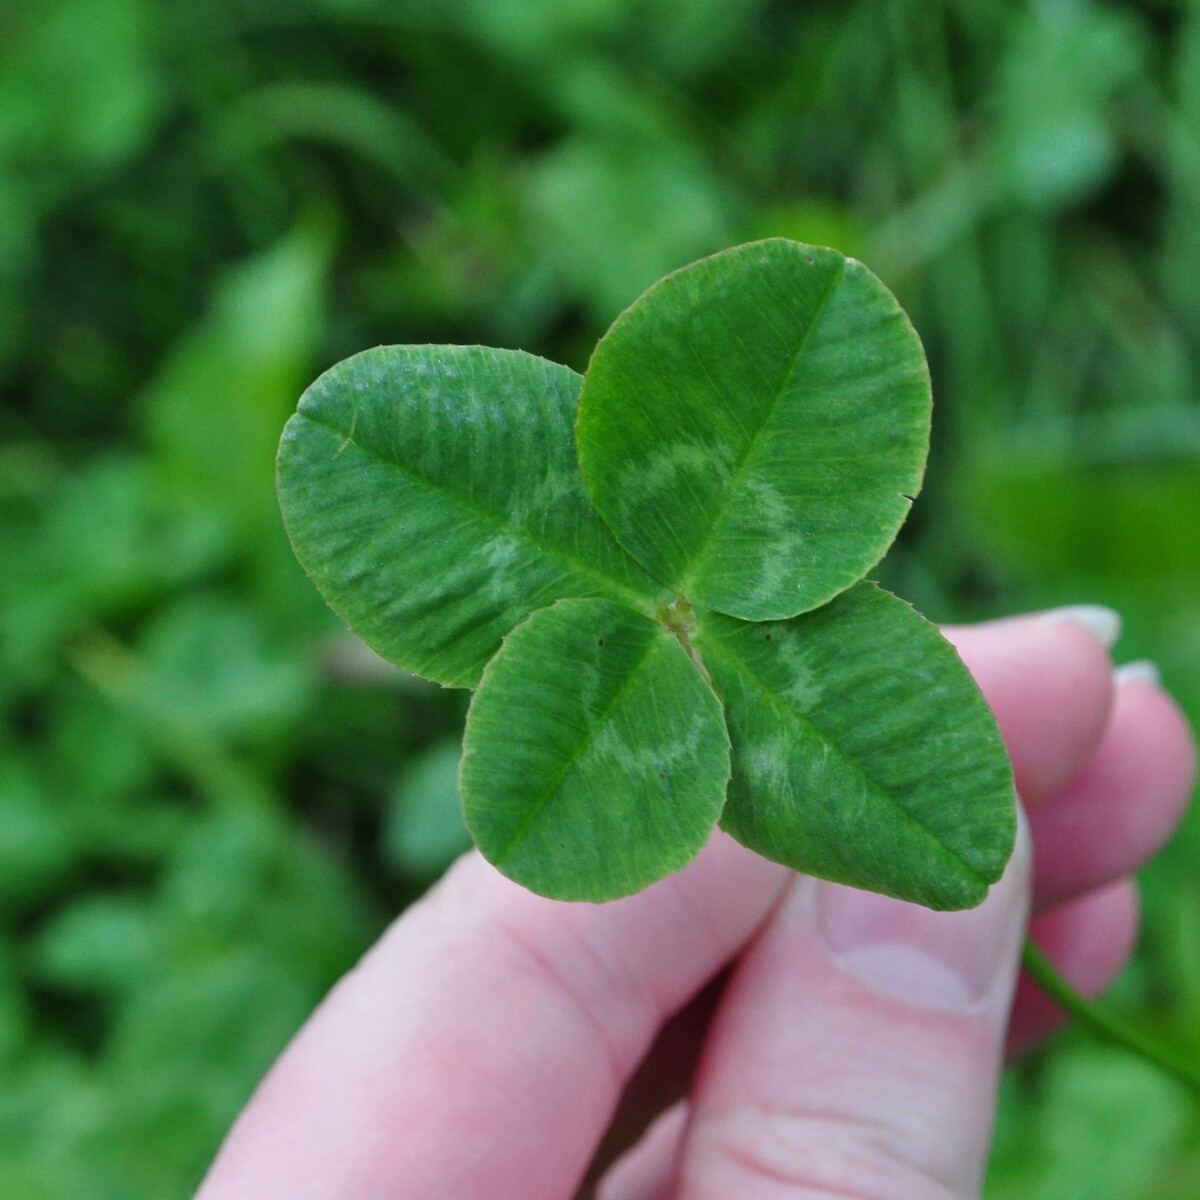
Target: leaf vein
x,y
732,658
736,476
535,809
641,601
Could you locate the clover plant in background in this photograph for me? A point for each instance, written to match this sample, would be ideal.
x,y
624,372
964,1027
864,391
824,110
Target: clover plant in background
x,y
652,576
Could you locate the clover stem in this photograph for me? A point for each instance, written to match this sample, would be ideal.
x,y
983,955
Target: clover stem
x,y
1104,1024
679,618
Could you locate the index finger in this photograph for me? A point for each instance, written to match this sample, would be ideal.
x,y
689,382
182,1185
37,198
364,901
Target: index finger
x,y
481,1047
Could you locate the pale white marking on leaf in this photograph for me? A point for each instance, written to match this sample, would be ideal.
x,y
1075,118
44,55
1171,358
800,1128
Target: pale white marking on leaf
x,y
768,762
656,474
553,489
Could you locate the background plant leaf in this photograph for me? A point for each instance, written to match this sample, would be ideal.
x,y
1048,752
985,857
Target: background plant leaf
x,y
862,750
595,757
424,831
433,495
754,427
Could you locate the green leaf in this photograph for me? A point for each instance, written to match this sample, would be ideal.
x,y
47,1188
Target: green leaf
x,y
214,408
433,495
863,751
213,664
1093,1122
101,942
595,757
424,830
754,427
37,842
612,214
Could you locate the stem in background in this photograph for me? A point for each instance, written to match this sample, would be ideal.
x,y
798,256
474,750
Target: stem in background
x,y
1104,1024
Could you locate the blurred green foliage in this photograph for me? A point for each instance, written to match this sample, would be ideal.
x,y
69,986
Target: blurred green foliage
x,y
210,799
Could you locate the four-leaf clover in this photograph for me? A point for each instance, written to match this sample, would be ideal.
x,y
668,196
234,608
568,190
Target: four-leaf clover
x,y
653,578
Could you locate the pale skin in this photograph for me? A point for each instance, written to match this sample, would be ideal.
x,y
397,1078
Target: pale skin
x,y
483,1047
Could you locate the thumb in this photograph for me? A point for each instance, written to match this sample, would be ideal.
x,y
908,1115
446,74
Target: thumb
x,y
858,1048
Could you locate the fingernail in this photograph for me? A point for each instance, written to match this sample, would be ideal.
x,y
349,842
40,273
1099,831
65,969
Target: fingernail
x,y
951,961
1104,624
1141,670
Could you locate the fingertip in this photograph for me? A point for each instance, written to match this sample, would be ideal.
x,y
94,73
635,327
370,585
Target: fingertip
x,y
1088,940
1167,722
1122,807
1048,679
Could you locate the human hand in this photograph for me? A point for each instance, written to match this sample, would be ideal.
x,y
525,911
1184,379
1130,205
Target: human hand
x,y
482,1048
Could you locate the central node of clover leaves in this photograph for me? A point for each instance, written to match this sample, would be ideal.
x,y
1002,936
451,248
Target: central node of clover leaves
x,y
664,616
